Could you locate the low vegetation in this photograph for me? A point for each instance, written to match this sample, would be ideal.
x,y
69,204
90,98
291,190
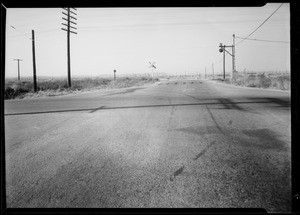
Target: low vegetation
x,y
261,80
19,90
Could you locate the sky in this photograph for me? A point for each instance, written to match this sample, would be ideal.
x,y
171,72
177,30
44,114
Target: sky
x,y
178,40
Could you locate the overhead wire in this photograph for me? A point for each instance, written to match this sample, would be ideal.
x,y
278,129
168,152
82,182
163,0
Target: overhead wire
x,y
20,32
272,41
247,38
260,25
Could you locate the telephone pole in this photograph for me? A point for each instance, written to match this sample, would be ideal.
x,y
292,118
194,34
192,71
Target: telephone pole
x,y
233,53
33,60
68,30
115,77
224,64
18,68
212,67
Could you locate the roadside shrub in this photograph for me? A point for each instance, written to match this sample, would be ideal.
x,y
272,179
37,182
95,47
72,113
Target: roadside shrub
x,y
11,93
52,85
240,81
274,83
227,80
263,81
250,81
284,82
60,87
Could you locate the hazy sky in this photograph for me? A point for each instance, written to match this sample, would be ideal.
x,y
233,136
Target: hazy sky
x,y
178,39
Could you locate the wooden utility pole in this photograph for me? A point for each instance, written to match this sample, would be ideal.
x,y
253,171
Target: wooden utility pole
x,y
233,53
212,70
68,25
224,64
33,60
205,73
115,75
18,68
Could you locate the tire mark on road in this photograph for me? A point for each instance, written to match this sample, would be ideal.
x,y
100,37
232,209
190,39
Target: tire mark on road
x,y
204,150
213,118
96,109
171,115
176,173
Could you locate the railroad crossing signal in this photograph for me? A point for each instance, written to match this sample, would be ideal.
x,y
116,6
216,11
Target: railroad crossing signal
x,y
223,49
152,66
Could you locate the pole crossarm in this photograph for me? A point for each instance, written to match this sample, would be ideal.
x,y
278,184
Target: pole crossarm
x,y
67,25
70,10
73,13
64,13
73,17
69,21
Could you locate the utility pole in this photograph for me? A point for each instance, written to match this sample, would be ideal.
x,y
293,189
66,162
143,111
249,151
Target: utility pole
x,y
33,60
68,25
152,73
115,75
233,53
224,64
212,70
18,68
205,73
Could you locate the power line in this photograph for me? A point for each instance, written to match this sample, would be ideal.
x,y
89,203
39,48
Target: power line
x,y
260,25
20,32
272,41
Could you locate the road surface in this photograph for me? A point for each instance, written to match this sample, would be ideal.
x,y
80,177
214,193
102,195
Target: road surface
x,y
177,143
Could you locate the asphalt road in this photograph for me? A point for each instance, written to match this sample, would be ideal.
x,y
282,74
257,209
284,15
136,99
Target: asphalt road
x,y
179,143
